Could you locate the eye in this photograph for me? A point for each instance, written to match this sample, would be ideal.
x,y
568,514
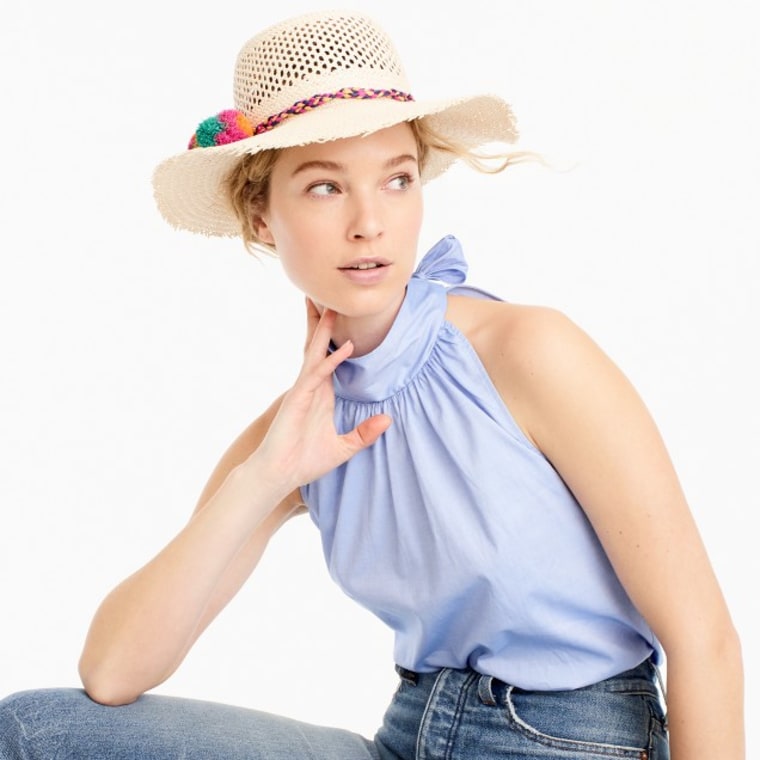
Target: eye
x,y
322,188
400,182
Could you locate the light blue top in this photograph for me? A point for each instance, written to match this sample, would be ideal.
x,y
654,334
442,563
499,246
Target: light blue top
x,y
453,528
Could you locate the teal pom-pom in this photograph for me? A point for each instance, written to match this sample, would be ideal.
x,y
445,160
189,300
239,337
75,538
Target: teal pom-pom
x,y
208,129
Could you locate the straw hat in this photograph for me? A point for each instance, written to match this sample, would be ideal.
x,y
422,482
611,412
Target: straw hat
x,y
313,78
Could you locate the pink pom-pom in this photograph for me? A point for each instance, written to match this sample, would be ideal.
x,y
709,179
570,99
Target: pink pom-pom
x,y
226,127
236,127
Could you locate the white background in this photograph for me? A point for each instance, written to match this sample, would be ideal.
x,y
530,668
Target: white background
x,y
133,354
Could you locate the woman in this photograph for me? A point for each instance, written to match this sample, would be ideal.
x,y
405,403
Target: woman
x,y
483,477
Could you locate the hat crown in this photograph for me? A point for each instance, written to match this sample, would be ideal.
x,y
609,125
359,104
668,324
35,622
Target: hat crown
x,y
310,55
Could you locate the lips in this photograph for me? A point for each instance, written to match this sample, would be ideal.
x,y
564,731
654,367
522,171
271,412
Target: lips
x,y
364,264
366,271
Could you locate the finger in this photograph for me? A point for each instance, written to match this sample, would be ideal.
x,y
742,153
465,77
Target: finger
x,y
366,433
316,370
312,320
320,340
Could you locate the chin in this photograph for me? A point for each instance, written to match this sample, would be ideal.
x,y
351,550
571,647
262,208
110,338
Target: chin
x,y
367,305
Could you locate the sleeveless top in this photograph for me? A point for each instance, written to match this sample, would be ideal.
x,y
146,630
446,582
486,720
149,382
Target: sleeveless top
x,y
453,528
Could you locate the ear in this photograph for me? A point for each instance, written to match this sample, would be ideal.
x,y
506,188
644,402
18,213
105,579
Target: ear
x,y
262,230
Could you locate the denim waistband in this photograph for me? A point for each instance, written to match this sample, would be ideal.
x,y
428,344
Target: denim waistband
x,y
645,677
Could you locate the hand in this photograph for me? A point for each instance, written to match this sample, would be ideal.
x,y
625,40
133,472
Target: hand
x,y
302,443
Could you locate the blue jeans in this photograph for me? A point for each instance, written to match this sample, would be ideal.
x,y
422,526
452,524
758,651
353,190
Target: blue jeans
x,y
448,715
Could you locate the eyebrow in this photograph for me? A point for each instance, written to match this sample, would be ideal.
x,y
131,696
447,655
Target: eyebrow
x,y
337,167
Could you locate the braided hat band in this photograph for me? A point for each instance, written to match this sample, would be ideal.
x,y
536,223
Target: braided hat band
x,y
347,93
229,126
360,86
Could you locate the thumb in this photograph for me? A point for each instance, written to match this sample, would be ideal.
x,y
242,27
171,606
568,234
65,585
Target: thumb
x,y
366,432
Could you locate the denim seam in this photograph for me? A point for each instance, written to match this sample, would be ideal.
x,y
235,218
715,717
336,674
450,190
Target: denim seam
x,y
427,718
596,748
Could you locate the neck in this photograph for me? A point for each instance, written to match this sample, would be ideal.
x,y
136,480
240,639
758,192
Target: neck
x,y
365,332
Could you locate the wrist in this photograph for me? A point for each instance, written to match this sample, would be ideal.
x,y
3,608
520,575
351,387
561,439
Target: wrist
x,y
265,483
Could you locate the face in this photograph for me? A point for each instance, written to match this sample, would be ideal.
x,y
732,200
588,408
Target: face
x,y
345,217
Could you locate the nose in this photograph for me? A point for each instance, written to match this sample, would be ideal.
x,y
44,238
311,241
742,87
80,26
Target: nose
x,y
366,221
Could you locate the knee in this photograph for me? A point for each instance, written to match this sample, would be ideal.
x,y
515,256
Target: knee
x,y
12,711
30,721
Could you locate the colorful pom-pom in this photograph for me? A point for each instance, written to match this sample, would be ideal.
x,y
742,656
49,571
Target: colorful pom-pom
x,y
226,127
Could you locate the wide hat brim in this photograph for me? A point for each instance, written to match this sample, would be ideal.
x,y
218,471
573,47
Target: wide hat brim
x,y
189,187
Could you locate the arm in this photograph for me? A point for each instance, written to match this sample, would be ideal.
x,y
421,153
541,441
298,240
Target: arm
x,y
146,625
584,415
144,628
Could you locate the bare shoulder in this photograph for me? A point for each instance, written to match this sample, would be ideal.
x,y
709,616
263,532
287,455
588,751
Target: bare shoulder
x,y
534,355
514,332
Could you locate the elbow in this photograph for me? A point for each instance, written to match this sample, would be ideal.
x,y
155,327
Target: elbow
x,y
109,697
731,649
717,643
105,688
115,674
108,693
724,645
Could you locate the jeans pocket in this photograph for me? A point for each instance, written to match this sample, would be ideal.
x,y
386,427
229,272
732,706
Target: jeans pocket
x,y
585,722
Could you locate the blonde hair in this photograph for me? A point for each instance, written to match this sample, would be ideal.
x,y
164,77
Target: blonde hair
x,y
247,185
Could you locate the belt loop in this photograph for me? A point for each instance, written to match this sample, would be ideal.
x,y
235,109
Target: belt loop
x,y
485,690
408,675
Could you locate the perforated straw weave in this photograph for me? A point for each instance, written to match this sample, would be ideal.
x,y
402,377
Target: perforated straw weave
x,y
327,49
314,78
